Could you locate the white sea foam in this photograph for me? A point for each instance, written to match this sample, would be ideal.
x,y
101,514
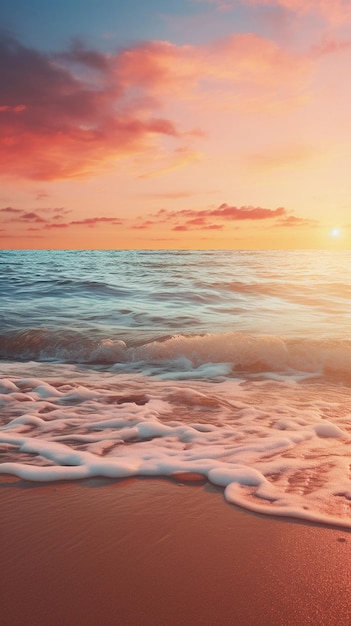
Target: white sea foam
x,y
276,447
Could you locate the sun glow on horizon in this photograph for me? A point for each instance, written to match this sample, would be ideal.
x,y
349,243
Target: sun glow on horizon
x,y
179,134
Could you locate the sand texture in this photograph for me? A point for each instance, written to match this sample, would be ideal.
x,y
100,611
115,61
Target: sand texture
x,y
151,552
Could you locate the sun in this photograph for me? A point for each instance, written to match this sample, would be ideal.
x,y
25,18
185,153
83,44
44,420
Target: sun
x,y
335,233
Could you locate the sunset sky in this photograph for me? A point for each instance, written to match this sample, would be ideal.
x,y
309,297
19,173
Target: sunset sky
x,y
175,124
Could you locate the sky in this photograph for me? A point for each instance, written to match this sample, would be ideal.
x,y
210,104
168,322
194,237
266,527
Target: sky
x,y
180,124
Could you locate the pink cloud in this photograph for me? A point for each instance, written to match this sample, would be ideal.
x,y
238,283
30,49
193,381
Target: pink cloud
x,y
333,10
216,219
10,209
178,195
59,225
89,221
53,218
14,109
196,221
164,163
187,219
241,72
282,155
162,66
180,227
75,113
56,123
246,213
42,195
291,220
214,226
31,216
143,225
11,214
330,46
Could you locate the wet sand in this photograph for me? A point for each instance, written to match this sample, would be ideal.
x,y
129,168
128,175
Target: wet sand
x,y
153,552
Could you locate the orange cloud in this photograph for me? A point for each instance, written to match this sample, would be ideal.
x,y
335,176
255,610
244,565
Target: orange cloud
x,y
10,214
169,69
89,222
32,216
291,220
164,163
245,213
10,209
57,124
174,195
243,73
54,219
187,219
281,155
75,113
217,218
200,225
143,225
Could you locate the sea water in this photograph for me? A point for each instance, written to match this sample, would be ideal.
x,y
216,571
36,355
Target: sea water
x,y
235,365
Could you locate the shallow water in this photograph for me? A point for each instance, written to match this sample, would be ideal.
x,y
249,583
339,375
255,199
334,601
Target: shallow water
x,y
234,365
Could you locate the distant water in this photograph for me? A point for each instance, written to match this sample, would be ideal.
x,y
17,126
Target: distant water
x,y
232,364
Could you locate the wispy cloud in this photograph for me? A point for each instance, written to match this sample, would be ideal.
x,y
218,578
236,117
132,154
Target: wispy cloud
x,y
143,225
330,45
178,195
281,155
91,222
43,215
10,210
334,10
331,10
217,218
209,219
292,221
32,217
161,66
245,213
51,218
199,226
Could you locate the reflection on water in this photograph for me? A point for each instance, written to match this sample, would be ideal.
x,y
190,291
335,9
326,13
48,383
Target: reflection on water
x,y
234,365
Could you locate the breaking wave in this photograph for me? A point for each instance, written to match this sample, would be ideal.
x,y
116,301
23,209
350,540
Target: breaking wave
x,y
237,352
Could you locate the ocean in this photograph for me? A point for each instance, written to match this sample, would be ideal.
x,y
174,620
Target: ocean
x,y
232,365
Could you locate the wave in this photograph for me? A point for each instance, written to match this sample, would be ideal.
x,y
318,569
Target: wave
x,y
239,352
276,447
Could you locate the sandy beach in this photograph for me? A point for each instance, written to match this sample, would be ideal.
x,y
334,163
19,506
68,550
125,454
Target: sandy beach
x,y
154,552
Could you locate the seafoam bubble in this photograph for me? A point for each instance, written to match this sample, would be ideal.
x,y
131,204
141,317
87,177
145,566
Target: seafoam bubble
x,y
273,448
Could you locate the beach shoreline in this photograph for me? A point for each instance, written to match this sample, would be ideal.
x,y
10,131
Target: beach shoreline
x,y
147,551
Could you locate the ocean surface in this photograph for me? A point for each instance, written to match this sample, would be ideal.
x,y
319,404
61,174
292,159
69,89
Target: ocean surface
x,y
235,365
